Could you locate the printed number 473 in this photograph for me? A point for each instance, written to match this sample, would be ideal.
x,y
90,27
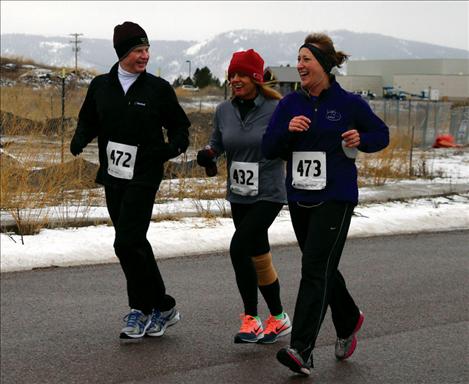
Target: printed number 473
x,y
304,168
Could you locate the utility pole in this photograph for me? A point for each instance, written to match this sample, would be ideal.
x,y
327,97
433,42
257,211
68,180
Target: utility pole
x,y
76,48
188,61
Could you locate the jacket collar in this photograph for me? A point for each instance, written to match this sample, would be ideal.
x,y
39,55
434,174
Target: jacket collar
x,y
115,77
258,101
334,87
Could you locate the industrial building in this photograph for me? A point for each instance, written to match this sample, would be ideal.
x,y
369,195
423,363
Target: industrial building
x,y
442,79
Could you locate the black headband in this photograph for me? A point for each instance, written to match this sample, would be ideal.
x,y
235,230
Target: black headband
x,y
320,57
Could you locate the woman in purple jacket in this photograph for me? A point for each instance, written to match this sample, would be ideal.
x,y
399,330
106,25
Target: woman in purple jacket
x,y
318,130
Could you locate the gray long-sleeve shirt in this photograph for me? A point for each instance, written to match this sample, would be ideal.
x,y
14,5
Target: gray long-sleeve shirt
x,y
241,141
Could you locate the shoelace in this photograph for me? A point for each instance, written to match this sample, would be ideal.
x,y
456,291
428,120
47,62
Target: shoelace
x,y
271,324
341,342
248,323
157,318
132,319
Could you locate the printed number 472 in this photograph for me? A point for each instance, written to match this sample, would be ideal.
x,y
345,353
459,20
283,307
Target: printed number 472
x,y
116,156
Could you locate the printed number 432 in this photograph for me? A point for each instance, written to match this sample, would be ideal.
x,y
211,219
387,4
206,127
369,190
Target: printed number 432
x,y
243,177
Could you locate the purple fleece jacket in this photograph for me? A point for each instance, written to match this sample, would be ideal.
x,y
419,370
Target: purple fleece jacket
x,y
332,113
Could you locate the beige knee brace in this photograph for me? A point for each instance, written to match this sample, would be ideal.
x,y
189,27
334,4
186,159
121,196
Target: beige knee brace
x,y
266,273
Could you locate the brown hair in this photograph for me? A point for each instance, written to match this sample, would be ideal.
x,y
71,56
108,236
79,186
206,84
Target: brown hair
x,y
325,44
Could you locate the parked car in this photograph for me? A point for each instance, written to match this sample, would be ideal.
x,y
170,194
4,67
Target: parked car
x,y
190,88
366,94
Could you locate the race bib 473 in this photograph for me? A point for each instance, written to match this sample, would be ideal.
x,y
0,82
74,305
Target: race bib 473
x,y
309,170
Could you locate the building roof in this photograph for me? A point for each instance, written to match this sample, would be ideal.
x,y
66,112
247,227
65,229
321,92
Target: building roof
x,y
284,74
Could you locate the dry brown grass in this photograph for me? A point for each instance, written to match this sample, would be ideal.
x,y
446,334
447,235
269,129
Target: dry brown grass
x,y
41,104
194,184
207,91
35,185
32,195
390,163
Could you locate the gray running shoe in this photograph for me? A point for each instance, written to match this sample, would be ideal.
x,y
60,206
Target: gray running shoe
x,y
292,359
344,348
136,325
162,320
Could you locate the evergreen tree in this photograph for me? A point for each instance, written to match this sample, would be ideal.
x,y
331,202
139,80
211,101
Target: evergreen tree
x,y
178,82
187,81
204,77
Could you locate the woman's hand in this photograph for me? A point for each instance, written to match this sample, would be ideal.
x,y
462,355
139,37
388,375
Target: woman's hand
x,y
299,124
351,138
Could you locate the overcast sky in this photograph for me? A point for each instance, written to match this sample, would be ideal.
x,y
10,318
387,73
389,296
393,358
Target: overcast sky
x,y
437,22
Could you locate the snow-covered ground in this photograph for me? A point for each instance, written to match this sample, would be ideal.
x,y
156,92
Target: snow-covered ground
x,y
191,235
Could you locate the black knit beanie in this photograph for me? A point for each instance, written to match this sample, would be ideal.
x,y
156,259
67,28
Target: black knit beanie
x,y
127,36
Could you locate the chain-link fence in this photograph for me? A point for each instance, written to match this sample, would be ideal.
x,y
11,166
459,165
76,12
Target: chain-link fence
x,y
459,125
427,118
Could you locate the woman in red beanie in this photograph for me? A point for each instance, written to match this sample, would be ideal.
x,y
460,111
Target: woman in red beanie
x,y
255,190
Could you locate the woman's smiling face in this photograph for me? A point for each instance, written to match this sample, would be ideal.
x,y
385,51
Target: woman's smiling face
x,y
243,86
311,72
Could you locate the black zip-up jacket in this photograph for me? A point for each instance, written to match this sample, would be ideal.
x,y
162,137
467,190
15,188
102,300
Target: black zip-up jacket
x,y
136,118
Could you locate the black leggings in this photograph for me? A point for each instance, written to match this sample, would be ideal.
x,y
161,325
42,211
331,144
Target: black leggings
x,y
250,239
321,232
130,208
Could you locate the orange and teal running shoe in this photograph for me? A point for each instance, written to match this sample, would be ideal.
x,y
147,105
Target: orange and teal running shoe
x,y
251,330
275,328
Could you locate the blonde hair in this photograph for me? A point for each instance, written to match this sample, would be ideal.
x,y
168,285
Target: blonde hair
x,y
266,90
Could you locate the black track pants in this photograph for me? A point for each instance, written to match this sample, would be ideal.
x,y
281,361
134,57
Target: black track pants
x,y
250,239
130,208
321,232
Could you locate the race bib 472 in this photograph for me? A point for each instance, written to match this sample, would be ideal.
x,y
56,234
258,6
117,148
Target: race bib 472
x,y
121,160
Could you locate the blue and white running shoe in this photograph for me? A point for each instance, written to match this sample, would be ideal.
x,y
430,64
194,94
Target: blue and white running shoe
x,y
162,320
136,325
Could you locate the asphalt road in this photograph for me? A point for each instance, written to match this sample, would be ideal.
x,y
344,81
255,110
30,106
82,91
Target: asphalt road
x,y
61,325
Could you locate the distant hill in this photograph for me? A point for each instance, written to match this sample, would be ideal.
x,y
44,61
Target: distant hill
x,y
169,58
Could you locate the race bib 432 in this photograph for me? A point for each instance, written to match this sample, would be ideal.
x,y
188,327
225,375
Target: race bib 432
x,y
244,178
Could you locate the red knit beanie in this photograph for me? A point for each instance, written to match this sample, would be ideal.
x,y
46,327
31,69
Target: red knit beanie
x,y
127,36
247,62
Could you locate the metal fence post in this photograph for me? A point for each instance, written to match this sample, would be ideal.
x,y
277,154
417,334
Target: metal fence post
x,y
62,153
410,116
398,103
462,127
384,112
411,150
425,125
